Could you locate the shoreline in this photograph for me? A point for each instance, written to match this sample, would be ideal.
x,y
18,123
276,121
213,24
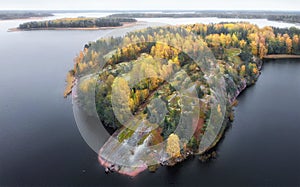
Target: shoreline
x,y
27,18
280,57
70,81
125,25
23,19
241,89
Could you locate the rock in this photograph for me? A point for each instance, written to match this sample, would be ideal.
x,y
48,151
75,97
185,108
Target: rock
x,y
214,154
153,168
107,171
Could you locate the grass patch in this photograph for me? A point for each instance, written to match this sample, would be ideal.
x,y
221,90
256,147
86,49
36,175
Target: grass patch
x,y
125,134
233,52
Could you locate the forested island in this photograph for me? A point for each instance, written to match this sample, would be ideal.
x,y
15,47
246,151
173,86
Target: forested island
x,y
76,23
8,15
153,112
289,17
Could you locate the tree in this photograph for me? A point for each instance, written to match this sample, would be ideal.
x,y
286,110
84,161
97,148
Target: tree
x,y
295,44
219,109
255,71
289,44
243,71
235,41
173,146
262,50
254,48
121,100
242,43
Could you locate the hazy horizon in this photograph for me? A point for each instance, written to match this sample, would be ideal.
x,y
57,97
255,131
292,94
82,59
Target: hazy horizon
x,y
119,5
141,10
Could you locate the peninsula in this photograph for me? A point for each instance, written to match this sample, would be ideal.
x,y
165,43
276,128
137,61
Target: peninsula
x,y
154,122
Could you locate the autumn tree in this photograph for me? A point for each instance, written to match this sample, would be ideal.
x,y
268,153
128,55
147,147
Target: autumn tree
x,y
120,99
288,43
173,146
295,44
263,50
242,71
254,48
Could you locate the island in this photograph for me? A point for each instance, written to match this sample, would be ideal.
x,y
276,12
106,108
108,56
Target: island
x,y
167,93
9,15
289,17
80,23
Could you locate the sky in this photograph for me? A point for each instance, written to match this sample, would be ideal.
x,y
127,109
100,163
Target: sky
x,y
283,5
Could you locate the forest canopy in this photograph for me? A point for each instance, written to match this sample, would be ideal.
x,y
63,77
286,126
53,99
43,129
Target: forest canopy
x,y
80,22
8,15
193,57
289,17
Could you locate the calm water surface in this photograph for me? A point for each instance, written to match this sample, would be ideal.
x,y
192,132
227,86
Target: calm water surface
x,y
40,143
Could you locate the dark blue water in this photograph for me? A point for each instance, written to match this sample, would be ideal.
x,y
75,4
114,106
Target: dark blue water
x,y
41,145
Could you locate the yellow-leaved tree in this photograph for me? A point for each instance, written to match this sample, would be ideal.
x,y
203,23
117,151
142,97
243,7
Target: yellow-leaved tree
x,y
243,71
173,146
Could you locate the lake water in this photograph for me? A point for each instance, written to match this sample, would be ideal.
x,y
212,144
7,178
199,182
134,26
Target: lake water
x,y
40,142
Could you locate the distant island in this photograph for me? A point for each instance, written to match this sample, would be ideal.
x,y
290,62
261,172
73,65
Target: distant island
x,y
289,17
163,117
9,15
76,23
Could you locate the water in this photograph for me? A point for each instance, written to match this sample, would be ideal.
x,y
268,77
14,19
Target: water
x,y
262,145
259,22
40,143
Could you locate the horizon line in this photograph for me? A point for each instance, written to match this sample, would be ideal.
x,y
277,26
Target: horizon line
x,y
149,10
